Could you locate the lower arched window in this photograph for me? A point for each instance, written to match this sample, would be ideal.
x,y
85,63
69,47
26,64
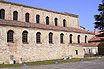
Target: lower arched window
x,y
10,36
38,36
61,38
25,37
50,37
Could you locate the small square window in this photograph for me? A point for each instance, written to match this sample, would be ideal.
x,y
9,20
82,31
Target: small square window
x,y
76,52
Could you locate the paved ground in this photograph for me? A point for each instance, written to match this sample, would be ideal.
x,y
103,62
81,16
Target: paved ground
x,y
97,64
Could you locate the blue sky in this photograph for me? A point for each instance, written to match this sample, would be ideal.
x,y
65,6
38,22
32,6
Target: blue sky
x,y
86,9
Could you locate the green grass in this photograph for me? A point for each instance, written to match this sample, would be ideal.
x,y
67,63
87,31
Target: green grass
x,y
38,63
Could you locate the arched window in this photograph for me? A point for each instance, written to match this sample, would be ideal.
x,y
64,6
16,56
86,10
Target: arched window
x,y
38,36
78,38
27,17
64,23
25,37
70,37
85,39
50,37
15,15
2,14
10,36
37,19
56,21
47,20
61,38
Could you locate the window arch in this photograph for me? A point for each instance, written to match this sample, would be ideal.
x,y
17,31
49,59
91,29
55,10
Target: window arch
x,y
38,37
61,38
78,38
15,15
24,36
27,17
64,23
47,20
70,37
56,21
37,19
50,37
2,14
85,39
10,36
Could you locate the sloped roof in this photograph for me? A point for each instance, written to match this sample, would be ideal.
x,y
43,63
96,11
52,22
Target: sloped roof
x,y
41,26
96,39
92,44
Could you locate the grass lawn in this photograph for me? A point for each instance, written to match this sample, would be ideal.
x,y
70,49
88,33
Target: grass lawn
x,y
45,62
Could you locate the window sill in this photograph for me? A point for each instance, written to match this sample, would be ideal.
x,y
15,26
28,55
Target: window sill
x,y
10,42
62,43
38,43
25,43
51,43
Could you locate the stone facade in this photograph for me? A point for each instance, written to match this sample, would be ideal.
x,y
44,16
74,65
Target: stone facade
x,y
33,51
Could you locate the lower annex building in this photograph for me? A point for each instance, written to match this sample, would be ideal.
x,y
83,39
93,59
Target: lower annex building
x,y
29,34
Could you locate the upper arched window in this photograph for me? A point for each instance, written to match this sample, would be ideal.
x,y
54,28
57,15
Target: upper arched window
x,y
24,36
27,17
47,20
38,37
70,37
61,38
85,39
56,21
2,14
37,19
10,36
50,37
64,23
78,38
15,15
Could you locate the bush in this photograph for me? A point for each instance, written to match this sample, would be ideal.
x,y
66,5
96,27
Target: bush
x,y
101,48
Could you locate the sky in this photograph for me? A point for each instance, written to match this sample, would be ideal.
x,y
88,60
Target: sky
x,y
86,9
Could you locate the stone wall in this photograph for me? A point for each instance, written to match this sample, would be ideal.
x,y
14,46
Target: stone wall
x,y
10,8
37,52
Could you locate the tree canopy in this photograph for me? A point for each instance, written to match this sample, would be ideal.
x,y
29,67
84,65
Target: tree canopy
x,y
99,23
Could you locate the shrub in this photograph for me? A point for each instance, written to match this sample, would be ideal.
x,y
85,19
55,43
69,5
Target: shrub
x,y
101,48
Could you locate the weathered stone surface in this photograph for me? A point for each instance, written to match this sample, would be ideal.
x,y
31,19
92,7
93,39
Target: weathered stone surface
x,y
38,52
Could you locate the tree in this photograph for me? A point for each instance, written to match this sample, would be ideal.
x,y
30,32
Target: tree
x,y
101,48
99,24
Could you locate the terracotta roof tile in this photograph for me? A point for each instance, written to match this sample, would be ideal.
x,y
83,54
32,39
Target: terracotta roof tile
x,y
88,44
96,39
41,26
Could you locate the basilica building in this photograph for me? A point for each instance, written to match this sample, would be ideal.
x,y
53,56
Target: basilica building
x,y
29,34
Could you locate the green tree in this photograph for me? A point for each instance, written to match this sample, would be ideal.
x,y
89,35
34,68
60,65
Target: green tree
x,y
99,23
101,48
